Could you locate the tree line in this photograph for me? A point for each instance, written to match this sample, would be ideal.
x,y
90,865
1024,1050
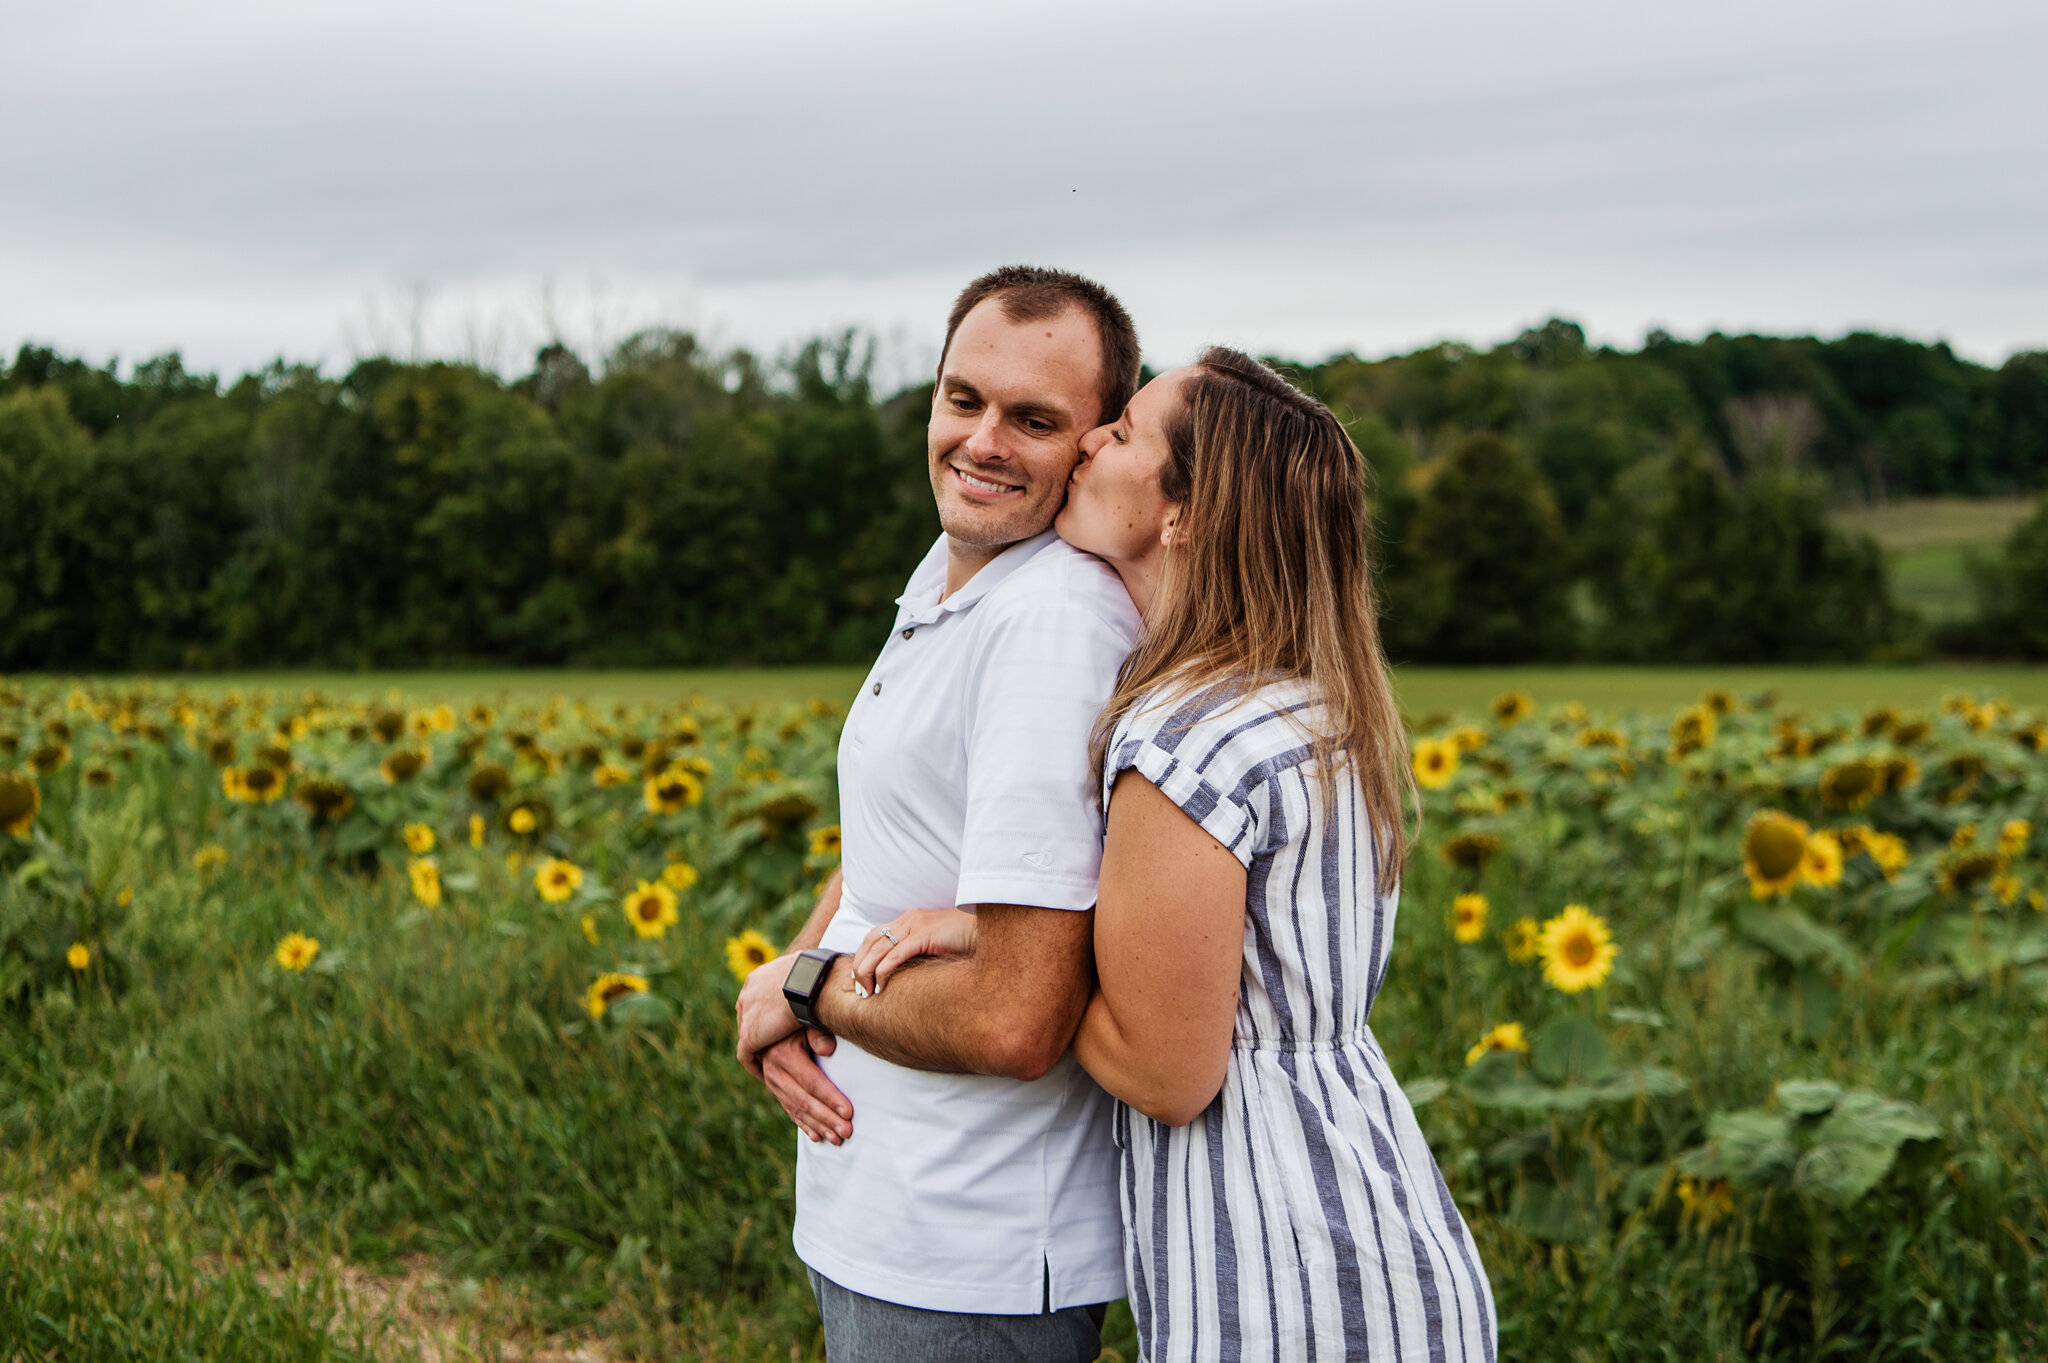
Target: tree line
x,y
1543,499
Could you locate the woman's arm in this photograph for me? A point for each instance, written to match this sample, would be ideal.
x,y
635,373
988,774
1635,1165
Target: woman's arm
x,y
1169,952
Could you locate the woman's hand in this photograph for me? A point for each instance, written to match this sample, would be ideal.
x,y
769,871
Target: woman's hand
x,y
920,932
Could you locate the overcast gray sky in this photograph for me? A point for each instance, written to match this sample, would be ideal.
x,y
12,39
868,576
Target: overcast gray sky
x,y
243,180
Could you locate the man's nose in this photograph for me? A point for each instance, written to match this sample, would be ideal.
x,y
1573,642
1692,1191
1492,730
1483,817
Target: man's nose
x,y
984,443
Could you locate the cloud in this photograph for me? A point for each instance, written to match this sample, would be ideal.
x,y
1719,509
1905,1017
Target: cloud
x,y
243,180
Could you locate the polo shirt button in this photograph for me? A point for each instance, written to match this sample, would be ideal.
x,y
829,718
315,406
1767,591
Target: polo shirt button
x,y
908,632
878,688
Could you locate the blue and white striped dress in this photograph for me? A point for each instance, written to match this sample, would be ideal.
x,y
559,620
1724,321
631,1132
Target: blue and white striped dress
x,y
1301,1216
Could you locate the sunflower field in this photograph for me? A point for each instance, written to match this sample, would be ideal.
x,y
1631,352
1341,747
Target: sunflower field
x,y
367,1029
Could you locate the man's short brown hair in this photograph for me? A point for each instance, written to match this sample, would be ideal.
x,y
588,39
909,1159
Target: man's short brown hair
x,y
1030,293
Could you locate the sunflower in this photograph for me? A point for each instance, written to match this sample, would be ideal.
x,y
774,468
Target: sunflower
x,y
419,839
1888,850
1600,736
667,791
1719,700
651,908
387,724
50,757
1907,732
1467,737
1468,917
324,798
557,879
1577,949
295,951
209,858
1980,718
487,782
1706,1202
480,716
530,818
1773,852
1964,835
1823,864
275,753
609,988
2012,838
1962,872
1692,730
2033,737
1851,785
1435,762
402,766
1470,850
747,952
426,881
783,814
825,841
98,776
1522,940
1898,773
2006,886
476,830
1879,721
19,801
1512,707
1506,1037
253,784
608,774
79,956
679,875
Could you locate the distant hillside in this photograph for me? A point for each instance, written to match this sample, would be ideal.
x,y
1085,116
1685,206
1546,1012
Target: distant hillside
x,y
1930,542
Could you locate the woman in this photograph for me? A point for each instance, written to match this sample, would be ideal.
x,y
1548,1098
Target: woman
x,y
1278,1198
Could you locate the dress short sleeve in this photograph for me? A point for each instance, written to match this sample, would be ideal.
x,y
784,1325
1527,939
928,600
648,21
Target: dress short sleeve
x,y
1210,752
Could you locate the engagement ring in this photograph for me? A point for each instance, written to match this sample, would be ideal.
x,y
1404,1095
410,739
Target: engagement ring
x,y
891,936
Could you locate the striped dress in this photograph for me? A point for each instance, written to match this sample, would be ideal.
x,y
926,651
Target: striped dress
x,y
1301,1216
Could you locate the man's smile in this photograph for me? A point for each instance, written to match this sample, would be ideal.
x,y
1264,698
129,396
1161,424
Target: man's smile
x,y
986,487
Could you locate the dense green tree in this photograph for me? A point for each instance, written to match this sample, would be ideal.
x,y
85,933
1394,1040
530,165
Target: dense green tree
x,y
1688,565
672,504
1487,574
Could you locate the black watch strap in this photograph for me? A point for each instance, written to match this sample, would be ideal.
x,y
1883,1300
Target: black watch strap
x,y
806,981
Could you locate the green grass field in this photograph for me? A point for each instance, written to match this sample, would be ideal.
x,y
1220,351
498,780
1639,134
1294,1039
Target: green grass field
x,y
1929,543
1423,690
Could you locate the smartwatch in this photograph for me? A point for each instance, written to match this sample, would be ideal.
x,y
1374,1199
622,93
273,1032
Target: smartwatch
x,y
805,981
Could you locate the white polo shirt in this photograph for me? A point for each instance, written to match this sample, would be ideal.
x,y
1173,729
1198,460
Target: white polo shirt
x,y
964,779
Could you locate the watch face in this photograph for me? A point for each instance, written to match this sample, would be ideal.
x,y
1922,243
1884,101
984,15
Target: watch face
x,y
803,976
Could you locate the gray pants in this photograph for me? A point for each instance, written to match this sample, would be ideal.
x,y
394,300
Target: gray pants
x,y
862,1329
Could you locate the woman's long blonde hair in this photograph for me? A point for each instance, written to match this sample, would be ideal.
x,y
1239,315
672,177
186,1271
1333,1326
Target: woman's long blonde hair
x,y
1268,576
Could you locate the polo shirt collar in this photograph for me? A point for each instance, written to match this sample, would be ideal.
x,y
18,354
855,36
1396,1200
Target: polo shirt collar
x,y
920,599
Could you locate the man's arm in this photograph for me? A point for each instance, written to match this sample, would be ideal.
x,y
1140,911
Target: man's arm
x,y
1009,1009
789,1067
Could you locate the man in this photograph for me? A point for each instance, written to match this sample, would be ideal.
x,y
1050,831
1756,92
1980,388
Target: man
x,y
957,1198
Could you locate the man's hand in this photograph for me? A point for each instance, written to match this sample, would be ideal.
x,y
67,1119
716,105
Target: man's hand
x,y
763,1013
817,1107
